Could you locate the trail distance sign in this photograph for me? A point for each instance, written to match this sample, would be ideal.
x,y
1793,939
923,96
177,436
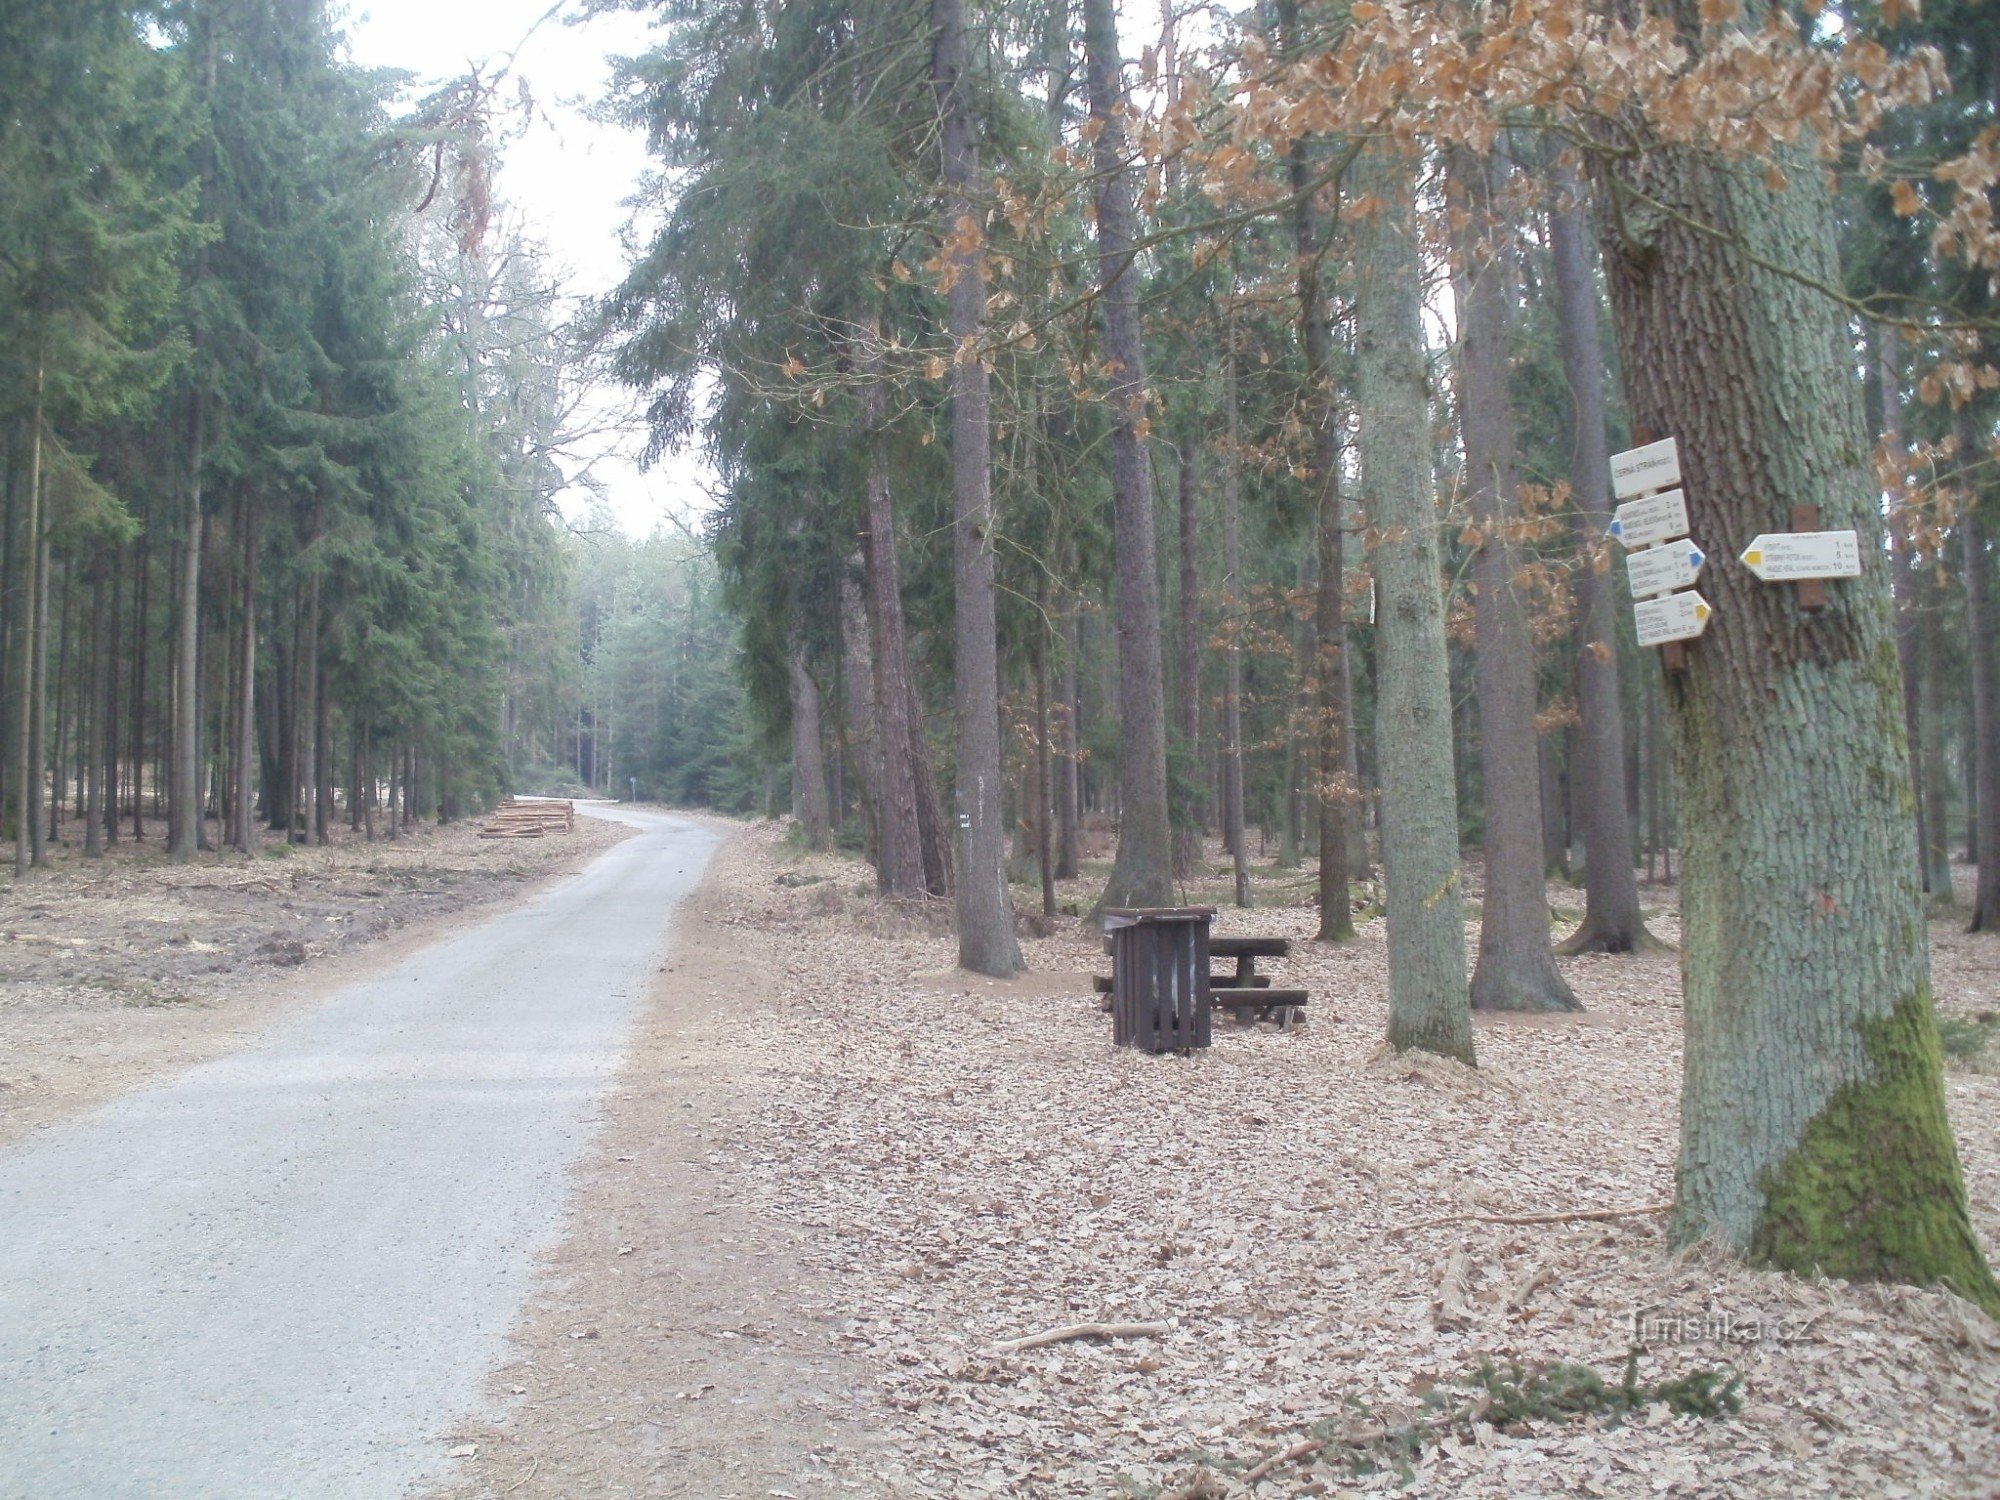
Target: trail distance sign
x,y
1640,523
1638,470
1659,570
1791,556
1676,617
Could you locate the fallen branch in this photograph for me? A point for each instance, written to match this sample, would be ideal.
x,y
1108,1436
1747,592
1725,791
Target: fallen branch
x,y
1276,1461
1579,1215
1083,1331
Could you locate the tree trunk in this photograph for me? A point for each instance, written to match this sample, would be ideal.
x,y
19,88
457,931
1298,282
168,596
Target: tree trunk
x,y
1885,389
1142,873
1515,970
38,702
1428,1005
1044,777
1333,792
142,598
809,804
1813,1128
91,700
986,942
244,833
1069,776
108,736
1187,709
25,637
901,865
1983,661
1233,828
184,812
858,703
1612,920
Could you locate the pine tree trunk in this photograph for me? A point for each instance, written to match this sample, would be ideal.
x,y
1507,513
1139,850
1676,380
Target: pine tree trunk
x,y
1428,1003
986,942
1885,389
1044,778
1069,775
141,600
1983,663
1333,793
1934,786
184,812
901,865
1813,1128
1515,970
1612,920
1142,873
109,737
38,702
91,700
1187,708
1233,822
859,715
809,804
244,832
25,637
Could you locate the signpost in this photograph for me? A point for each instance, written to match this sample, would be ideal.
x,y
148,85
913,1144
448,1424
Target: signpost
x,y
1652,515
1660,570
1675,617
1641,523
1789,556
1639,471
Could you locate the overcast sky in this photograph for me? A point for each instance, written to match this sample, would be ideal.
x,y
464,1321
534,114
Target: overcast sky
x,y
566,178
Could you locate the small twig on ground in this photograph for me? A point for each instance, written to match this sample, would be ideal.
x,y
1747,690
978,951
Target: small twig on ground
x,y
1276,1461
524,1478
1580,1215
1083,1331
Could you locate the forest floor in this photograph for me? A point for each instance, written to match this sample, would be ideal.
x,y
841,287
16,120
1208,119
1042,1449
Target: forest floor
x,y
118,970
838,1173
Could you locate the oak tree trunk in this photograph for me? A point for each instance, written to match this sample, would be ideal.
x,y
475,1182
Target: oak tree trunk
x,y
1428,1002
1813,1129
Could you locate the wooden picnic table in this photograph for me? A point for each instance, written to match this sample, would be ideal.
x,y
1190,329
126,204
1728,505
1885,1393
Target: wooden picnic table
x,y
1245,990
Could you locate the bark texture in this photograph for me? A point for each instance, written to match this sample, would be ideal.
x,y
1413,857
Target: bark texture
x,y
1813,1130
1515,970
1612,919
1187,644
1983,659
1428,1004
986,941
900,861
1142,873
809,799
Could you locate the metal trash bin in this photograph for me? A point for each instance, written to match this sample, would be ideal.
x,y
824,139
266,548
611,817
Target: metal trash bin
x,y
1160,997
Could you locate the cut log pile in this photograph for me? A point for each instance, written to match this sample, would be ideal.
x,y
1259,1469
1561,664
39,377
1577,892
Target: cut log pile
x,y
515,819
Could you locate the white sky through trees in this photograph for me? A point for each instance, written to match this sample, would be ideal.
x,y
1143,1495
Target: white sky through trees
x,y
564,180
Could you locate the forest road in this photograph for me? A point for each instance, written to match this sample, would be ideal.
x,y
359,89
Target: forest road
x,y
287,1272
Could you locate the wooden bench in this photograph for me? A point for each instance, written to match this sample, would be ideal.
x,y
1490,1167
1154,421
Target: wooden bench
x,y
1245,990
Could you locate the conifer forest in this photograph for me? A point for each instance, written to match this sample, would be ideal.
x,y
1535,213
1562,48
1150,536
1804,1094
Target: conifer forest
x,y
1496,469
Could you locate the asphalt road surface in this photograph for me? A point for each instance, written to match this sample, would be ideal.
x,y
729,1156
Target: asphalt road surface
x,y
286,1272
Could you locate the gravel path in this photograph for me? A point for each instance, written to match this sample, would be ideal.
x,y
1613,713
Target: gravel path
x,y
287,1271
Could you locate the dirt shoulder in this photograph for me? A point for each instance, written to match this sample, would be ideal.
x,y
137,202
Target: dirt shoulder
x,y
117,970
681,1342
840,1172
